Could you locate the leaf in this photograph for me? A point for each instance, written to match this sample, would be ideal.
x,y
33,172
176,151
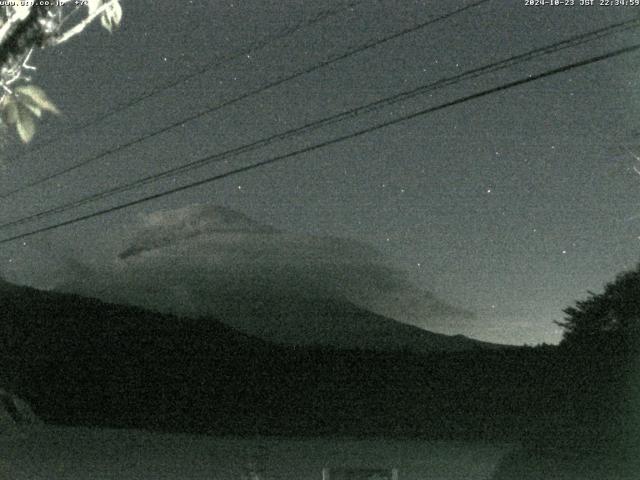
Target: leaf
x,y
112,16
23,106
35,96
25,125
33,109
10,111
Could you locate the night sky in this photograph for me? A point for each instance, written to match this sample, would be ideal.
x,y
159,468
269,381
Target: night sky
x,y
510,206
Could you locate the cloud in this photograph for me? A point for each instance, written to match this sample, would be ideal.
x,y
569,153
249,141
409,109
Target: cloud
x,y
169,227
210,260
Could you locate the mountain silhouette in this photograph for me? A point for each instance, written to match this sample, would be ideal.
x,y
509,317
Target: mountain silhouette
x,y
331,322
81,361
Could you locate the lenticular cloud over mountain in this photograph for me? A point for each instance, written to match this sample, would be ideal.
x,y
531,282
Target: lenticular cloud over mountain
x,y
164,228
210,260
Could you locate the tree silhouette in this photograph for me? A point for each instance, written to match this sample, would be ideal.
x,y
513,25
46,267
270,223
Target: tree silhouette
x,y
601,362
607,323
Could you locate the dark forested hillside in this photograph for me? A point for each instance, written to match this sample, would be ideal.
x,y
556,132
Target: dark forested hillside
x,y
82,361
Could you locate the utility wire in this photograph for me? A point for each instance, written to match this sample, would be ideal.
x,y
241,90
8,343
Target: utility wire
x,y
370,107
272,84
218,62
280,158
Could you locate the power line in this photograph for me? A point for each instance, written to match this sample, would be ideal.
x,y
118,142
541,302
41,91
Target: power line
x,y
275,83
327,143
256,46
373,106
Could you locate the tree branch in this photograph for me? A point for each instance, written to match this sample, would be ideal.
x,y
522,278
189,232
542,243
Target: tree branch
x,y
81,25
25,34
12,22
